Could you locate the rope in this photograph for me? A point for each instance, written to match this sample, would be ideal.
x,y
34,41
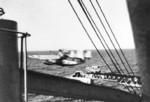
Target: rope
x,y
104,42
83,8
115,39
89,36
104,39
91,39
118,53
96,33
82,4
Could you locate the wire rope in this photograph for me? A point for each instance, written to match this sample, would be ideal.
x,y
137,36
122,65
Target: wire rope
x,y
90,21
83,8
89,36
114,64
114,38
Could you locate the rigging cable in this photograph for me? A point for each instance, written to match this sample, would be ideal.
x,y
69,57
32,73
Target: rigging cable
x,y
116,41
104,40
96,33
89,36
114,46
114,37
87,13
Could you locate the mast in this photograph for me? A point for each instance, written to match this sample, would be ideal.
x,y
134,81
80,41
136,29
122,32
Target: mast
x,y
139,11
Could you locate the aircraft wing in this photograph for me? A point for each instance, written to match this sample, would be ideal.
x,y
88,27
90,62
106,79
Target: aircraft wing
x,y
44,57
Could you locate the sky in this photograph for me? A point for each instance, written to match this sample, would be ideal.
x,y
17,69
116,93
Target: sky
x,y
53,24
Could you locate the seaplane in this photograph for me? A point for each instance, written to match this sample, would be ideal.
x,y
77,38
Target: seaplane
x,y
65,58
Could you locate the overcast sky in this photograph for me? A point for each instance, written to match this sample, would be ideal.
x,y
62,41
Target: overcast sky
x,y
53,24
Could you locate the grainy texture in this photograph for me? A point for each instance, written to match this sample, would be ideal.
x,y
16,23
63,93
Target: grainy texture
x,y
37,65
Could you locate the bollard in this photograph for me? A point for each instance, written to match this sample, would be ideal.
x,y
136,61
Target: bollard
x,y
9,70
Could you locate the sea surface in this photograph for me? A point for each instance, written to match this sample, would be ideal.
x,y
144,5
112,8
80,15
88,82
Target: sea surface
x,y
37,65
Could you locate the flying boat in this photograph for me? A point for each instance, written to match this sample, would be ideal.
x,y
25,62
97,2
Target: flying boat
x,y
64,58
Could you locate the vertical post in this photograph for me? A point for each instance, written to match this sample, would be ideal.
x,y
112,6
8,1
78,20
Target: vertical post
x,y
25,71
9,70
139,11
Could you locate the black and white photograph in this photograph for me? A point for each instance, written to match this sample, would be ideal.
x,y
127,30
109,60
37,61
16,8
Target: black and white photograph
x,y
74,51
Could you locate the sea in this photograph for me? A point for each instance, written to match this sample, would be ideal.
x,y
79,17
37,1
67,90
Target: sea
x,y
96,60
